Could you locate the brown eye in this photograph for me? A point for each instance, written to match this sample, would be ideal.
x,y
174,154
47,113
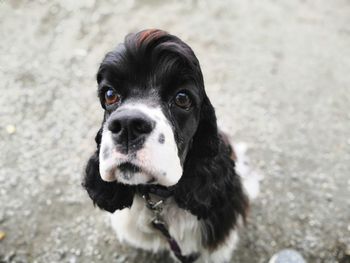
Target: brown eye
x,y
111,97
183,100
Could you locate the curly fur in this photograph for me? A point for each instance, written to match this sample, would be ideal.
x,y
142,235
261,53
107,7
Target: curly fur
x,y
210,187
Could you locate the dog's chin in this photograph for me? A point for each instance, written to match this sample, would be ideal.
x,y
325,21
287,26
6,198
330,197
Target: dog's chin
x,y
135,178
133,174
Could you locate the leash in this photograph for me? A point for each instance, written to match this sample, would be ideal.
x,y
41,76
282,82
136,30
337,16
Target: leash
x,y
159,223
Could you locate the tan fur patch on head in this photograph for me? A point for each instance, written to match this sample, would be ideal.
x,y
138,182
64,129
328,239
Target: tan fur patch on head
x,y
150,34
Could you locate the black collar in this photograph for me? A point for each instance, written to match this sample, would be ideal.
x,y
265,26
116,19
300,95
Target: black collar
x,y
161,191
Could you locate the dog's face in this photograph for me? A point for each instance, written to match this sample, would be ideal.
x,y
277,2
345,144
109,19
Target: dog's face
x,y
152,91
160,128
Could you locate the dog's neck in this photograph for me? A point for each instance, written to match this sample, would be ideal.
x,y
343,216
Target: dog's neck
x,y
158,222
158,190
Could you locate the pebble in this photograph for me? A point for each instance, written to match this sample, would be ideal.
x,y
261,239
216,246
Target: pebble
x,y
10,129
2,235
287,256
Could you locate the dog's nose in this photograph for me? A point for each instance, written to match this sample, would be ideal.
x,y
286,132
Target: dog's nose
x,y
128,127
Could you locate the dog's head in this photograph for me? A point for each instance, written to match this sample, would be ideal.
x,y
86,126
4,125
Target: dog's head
x,y
159,127
156,110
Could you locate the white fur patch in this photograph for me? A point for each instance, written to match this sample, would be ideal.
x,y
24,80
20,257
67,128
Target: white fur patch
x,y
133,226
250,178
157,160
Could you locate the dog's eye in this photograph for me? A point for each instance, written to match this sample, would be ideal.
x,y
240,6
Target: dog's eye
x,y
111,97
183,100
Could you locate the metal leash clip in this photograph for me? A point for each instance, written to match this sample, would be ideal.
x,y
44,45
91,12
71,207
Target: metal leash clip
x,y
155,207
159,224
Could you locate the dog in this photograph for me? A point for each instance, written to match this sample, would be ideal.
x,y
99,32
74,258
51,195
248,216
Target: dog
x,y
162,168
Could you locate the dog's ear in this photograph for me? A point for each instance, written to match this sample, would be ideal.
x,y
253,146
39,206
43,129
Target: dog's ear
x,y
98,137
209,186
206,139
109,196
210,189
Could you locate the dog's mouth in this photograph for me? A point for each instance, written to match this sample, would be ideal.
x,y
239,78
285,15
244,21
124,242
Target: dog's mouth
x,y
137,168
128,171
128,167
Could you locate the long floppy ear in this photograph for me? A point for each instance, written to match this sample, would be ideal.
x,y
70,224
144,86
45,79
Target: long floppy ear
x,y
109,196
98,137
209,187
206,139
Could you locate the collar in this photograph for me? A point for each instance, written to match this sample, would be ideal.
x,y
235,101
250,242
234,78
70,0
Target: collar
x,y
159,190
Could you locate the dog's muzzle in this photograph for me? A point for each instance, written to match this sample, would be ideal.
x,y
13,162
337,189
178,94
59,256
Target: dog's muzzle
x,y
129,129
138,147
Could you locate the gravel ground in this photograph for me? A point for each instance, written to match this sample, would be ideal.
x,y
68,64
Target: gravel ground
x,y
277,72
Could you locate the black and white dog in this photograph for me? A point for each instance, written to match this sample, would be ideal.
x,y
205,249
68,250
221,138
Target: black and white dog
x,y
159,139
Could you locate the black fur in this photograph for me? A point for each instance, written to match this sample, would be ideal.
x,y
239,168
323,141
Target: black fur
x,y
209,187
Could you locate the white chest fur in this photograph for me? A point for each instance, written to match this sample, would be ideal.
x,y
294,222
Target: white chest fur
x,y
133,226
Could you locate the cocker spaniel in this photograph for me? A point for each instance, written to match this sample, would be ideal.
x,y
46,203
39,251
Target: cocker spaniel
x,y
162,167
